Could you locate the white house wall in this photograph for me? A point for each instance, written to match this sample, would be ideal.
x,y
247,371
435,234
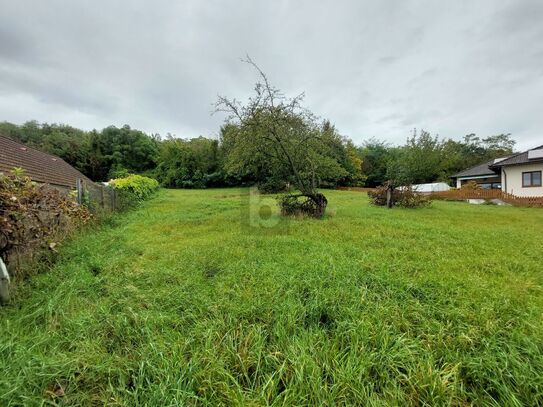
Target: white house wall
x,y
512,180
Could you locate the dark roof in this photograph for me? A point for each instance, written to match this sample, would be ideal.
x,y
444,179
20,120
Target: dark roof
x,y
520,158
39,166
478,170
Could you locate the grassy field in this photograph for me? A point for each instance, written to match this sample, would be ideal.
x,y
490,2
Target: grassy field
x,y
190,301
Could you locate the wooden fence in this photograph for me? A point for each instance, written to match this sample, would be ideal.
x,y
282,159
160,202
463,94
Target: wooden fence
x,y
464,194
357,189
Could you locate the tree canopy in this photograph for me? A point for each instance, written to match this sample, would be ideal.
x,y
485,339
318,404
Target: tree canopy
x,y
244,155
279,139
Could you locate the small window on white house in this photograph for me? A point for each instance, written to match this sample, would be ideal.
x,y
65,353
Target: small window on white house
x,y
531,179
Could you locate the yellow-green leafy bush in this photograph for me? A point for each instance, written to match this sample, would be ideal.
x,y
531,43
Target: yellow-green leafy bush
x,y
135,187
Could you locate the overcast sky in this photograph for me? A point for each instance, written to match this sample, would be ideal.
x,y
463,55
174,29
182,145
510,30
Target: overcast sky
x,y
374,68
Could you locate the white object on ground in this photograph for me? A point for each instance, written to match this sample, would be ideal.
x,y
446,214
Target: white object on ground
x,y
427,188
4,282
499,202
476,201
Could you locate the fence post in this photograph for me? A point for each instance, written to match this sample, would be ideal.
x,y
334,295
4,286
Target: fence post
x,y
102,201
79,187
389,196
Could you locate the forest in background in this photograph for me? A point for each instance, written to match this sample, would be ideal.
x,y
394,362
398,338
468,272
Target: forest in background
x,y
207,162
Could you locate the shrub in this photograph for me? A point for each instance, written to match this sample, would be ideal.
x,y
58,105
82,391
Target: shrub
x,y
408,198
32,216
134,187
379,195
405,197
303,205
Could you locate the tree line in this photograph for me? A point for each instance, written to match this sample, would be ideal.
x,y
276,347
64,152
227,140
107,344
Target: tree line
x,y
233,160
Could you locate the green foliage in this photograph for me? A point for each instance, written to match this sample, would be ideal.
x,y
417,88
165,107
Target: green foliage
x,y
275,136
271,160
121,148
417,162
354,166
427,159
135,187
340,160
246,155
95,154
175,303
189,163
272,185
248,165
375,156
118,172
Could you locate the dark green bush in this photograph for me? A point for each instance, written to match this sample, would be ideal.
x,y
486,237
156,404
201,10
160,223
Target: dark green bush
x,y
303,205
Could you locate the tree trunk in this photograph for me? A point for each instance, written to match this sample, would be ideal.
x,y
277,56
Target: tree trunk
x,y
320,204
389,197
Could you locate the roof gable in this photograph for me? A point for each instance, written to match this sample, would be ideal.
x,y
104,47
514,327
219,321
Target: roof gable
x,y
520,158
477,171
39,166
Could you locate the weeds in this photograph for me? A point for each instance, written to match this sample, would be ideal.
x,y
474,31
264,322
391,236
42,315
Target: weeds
x,y
175,304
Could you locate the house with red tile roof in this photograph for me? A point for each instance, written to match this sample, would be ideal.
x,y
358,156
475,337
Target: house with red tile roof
x,y
41,167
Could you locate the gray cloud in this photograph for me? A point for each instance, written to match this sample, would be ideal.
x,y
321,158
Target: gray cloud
x,y
375,69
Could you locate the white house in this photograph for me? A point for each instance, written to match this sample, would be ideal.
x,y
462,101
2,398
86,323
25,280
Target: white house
x,y
519,174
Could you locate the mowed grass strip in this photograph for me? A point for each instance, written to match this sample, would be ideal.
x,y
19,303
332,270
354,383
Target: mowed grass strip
x,y
184,302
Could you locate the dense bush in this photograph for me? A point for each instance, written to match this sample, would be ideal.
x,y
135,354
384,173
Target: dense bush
x,y
135,187
313,205
408,198
404,197
378,196
33,216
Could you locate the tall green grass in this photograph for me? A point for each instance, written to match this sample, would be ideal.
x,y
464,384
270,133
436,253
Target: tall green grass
x,y
185,302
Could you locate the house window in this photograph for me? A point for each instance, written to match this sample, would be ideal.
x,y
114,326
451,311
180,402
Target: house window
x,y
531,179
490,185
